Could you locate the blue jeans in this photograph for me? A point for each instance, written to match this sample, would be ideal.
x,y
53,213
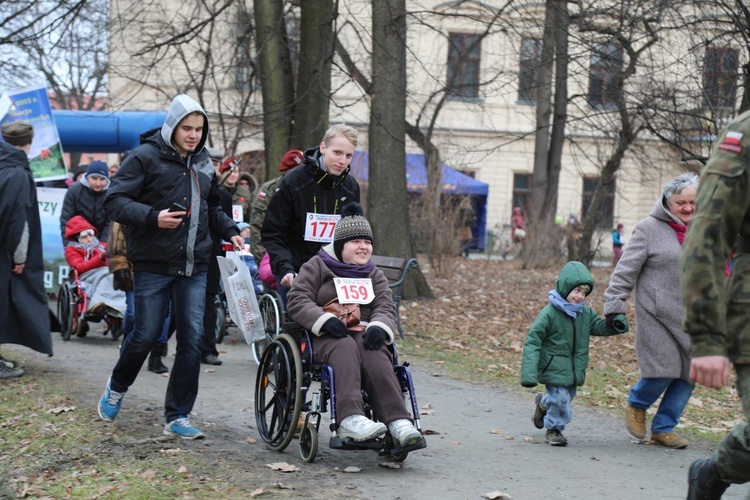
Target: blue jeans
x,y
676,391
128,324
558,402
151,297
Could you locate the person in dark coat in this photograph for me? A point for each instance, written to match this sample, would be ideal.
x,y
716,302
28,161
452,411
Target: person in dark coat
x,y
167,198
86,198
302,215
24,314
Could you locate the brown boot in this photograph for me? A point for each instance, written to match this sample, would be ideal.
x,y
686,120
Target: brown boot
x,y
635,422
670,440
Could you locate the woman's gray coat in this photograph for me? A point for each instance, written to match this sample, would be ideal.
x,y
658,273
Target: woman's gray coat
x,y
650,263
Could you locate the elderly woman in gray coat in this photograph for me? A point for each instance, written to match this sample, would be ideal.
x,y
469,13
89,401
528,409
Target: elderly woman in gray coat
x,y
651,265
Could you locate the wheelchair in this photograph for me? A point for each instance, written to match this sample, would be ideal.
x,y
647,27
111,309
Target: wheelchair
x,y
72,311
284,389
273,315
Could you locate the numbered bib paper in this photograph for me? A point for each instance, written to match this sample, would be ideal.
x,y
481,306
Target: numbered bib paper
x,y
354,290
320,227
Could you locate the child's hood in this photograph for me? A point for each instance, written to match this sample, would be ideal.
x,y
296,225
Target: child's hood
x,y
573,274
75,225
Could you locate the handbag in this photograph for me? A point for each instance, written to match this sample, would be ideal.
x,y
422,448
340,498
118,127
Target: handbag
x,y
348,313
520,234
241,300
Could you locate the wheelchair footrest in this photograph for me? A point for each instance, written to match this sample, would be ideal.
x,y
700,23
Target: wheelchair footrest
x,y
417,446
350,444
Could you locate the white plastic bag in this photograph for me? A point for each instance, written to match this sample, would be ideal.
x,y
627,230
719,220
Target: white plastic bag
x,y
241,300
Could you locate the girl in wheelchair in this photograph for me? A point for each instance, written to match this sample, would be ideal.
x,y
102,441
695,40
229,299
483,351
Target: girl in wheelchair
x,y
88,256
353,337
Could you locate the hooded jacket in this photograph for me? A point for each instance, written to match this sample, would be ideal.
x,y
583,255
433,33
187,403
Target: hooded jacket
x,y
307,188
80,257
154,176
556,351
650,264
84,201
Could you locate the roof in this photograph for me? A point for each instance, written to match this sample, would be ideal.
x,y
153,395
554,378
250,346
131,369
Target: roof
x,y
454,182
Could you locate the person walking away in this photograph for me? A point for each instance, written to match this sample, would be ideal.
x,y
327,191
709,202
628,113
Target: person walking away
x,y
556,351
466,222
302,215
617,243
166,196
292,158
86,198
24,314
717,313
651,266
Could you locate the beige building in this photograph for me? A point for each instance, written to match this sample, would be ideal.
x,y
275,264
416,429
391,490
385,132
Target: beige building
x,y
485,126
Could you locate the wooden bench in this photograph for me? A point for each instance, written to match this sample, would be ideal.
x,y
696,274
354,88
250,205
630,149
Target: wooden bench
x,y
395,270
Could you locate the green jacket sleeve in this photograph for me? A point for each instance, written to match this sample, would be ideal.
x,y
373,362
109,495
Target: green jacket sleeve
x,y
532,348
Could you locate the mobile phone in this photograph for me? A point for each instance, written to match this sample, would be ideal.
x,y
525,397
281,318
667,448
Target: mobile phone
x,y
176,207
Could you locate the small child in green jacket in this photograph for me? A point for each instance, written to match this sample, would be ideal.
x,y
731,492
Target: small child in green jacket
x,y
556,351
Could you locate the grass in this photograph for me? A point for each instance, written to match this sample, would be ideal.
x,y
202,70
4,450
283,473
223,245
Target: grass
x,y
49,450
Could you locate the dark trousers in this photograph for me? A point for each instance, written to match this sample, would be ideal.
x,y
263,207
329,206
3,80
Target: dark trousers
x,y
208,345
354,368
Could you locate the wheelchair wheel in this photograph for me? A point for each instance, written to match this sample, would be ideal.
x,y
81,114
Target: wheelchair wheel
x,y
270,312
221,321
65,311
308,443
277,392
116,328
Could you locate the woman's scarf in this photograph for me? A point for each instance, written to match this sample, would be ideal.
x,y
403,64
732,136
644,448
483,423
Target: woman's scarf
x,y
568,308
89,249
680,229
343,270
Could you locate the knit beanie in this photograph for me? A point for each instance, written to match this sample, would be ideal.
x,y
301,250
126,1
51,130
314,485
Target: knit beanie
x,y
17,133
351,226
292,158
99,168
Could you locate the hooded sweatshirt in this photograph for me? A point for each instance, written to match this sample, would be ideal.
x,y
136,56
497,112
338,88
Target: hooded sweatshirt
x,y
151,179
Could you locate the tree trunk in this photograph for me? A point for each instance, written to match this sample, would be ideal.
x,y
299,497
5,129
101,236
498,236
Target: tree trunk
x,y
542,234
277,81
314,72
387,201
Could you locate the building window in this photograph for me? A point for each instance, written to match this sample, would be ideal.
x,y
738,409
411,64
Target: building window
x,y
606,213
463,64
522,192
720,78
245,74
605,74
531,59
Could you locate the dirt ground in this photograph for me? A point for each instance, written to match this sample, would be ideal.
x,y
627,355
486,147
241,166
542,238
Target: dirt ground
x,y
481,439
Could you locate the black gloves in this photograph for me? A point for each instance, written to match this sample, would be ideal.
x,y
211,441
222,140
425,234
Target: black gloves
x,y
335,328
617,322
122,279
374,338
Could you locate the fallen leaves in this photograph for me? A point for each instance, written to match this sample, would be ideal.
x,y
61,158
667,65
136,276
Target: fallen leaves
x,y
282,467
61,409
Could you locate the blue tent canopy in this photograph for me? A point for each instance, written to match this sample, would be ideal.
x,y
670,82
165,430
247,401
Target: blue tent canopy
x,y
454,182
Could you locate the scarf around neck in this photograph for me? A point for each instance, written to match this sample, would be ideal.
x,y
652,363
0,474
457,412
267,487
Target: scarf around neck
x,y
680,229
343,270
89,249
568,308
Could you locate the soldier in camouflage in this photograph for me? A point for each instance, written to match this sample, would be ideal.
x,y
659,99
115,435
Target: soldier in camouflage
x,y
717,311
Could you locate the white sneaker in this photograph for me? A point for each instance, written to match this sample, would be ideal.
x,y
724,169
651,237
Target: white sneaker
x,y
360,428
404,432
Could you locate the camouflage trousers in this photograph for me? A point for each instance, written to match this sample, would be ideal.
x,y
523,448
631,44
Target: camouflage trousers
x,y
733,454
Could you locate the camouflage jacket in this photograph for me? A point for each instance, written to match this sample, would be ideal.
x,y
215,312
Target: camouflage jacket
x,y
258,212
717,308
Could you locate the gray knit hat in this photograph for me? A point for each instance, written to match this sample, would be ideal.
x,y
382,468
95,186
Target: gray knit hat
x,y
351,226
17,133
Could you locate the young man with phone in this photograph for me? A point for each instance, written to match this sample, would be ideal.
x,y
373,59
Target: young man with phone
x,y
167,197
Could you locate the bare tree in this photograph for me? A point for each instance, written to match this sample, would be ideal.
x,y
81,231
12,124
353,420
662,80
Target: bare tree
x,y
21,22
